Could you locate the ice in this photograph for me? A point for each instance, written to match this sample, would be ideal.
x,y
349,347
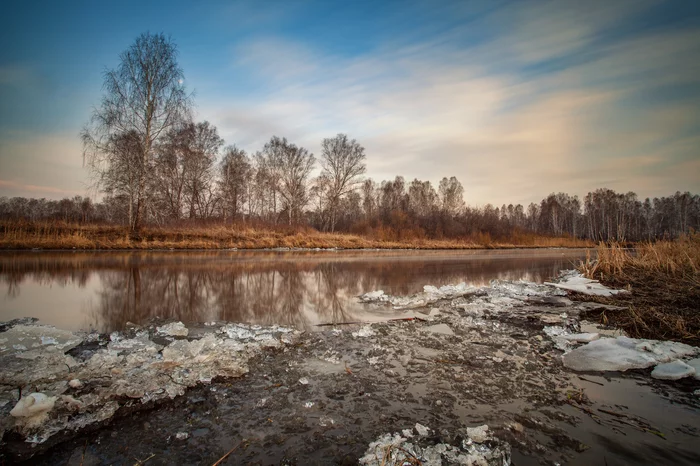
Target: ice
x,y
140,342
607,355
364,332
127,371
582,337
257,333
564,336
376,452
396,449
32,410
580,284
479,434
75,383
422,430
23,337
695,364
440,329
521,289
374,296
673,370
623,353
173,329
430,295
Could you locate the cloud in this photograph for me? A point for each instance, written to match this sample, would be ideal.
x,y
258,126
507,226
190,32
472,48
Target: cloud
x,y
481,113
517,101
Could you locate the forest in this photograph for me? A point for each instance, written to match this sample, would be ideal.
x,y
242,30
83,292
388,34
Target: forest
x,y
390,210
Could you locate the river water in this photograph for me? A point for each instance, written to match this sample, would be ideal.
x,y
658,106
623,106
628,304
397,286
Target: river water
x,y
105,290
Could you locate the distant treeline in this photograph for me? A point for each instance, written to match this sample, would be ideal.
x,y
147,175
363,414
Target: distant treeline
x,y
396,210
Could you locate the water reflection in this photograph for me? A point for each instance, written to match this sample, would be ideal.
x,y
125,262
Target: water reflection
x,y
300,289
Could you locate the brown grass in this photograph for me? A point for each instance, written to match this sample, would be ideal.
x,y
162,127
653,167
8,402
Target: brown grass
x,y
57,235
664,278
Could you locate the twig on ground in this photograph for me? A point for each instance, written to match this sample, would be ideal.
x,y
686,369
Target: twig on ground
x,y
223,458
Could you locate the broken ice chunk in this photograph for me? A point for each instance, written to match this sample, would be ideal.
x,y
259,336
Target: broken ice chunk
x,y
622,353
173,329
674,370
365,331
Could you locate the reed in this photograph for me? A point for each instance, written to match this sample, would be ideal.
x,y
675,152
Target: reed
x,y
664,280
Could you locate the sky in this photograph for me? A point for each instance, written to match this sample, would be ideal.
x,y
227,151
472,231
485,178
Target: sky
x,y
517,99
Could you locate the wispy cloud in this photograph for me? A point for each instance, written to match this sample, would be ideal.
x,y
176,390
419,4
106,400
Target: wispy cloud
x,y
510,131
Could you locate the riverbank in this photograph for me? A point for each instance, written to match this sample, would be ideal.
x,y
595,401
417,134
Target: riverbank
x,y
664,280
28,235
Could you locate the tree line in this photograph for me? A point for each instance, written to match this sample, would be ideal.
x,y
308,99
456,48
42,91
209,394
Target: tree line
x,y
155,165
395,210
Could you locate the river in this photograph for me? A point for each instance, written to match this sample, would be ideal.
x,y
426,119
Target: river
x,y
104,290
321,397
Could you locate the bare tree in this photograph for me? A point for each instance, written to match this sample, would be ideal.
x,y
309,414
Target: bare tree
x,y
143,97
369,198
171,167
343,162
120,177
451,196
289,168
204,143
422,198
234,178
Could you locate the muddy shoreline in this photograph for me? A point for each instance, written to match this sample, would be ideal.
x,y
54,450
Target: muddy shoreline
x,y
469,359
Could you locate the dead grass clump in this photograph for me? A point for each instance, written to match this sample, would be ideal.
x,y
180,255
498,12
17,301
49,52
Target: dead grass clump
x,y
676,259
664,278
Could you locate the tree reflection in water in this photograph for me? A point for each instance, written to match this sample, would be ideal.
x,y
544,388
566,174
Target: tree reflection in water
x,y
298,289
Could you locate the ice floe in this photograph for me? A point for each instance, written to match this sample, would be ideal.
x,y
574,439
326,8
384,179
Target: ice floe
x,y
574,281
623,353
173,329
431,294
71,393
695,364
26,336
364,332
674,370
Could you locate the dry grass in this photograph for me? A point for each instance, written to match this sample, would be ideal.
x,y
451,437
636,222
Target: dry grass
x,y
664,278
26,235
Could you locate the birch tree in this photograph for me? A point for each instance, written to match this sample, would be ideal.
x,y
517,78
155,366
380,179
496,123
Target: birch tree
x,y
143,97
289,168
342,163
234,178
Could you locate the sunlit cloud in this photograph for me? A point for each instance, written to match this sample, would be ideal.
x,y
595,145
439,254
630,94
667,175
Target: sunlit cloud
x,y
516,99
509,133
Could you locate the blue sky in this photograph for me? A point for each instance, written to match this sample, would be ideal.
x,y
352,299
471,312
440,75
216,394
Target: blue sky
x,y
517,99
